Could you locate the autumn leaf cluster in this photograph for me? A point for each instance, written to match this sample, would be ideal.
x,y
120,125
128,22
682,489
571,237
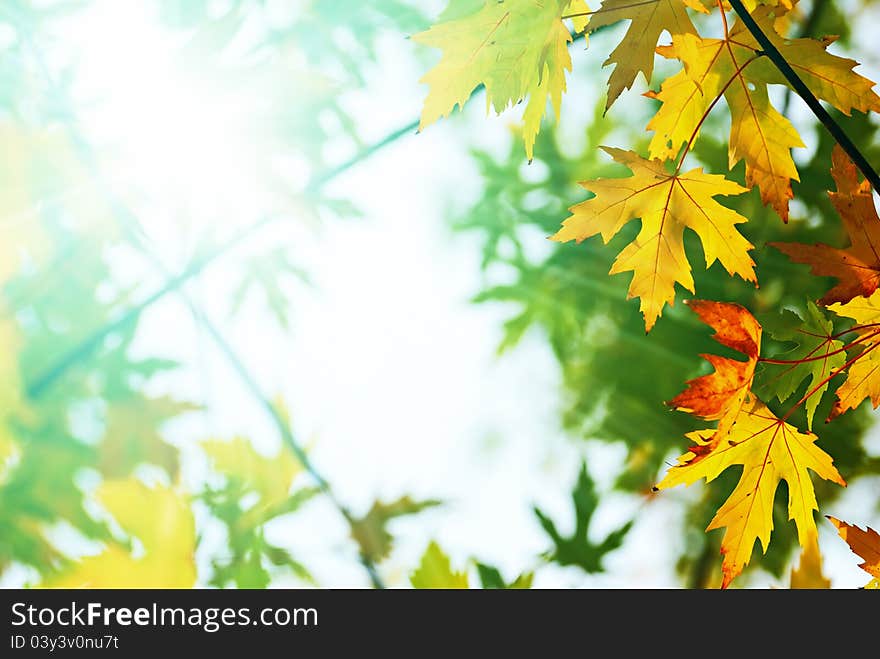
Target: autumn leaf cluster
x,y
518,52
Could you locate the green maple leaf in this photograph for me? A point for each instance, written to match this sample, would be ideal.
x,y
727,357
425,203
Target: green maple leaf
x,y
492,579
809,337
578,549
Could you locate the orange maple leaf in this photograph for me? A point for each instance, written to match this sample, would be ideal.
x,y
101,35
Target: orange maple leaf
x,y
857,267
721,394
864,543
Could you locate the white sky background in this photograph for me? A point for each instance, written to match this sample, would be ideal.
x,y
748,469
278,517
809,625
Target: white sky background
x,y
389,371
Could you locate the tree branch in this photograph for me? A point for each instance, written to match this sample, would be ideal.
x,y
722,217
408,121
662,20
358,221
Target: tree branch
x,y
806,30
284,429
40,384
809,98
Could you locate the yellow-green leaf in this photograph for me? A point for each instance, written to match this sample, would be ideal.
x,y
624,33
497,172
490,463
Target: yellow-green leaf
x,y
635,52
515,49
435,571
271,477
161,520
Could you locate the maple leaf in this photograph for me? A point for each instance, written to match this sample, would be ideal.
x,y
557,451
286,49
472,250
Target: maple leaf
x,y
720,395
268,477
816,350
808,574
759,134
514,49
856,267
161,519
770,451
751,5
257,490
864,543
132,436
831,78
635,52
863,376
667,204
370,531
435,571
491,579
578,549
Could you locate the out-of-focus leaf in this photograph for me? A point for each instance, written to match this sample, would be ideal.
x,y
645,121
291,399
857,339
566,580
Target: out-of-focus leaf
x,y
578,549
808,573
257,491
132,436
435,571
371,532
161,520
269,477
491,579
268,273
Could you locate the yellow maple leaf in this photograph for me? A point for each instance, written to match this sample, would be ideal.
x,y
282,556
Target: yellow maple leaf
x,y
751,5
161,519
808,574
270,477
864,543
635,52
770,451
515,49
667,204
759,134
862,376
830,77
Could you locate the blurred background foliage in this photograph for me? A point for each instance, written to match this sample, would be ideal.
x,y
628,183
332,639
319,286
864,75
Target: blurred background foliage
x,y
85,467
79,425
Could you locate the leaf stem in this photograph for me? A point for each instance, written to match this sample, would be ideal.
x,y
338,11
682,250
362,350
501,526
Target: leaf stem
x,y
855,328
804,360
286,433
806,30
41,383
718,97
809,98
602,9
828,379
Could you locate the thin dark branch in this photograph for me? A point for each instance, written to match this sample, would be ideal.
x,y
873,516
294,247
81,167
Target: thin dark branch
x,y
128,223
809,98
40,384
806,30
286,433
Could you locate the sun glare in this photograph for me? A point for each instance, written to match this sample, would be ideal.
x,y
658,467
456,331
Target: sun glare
x,y
178,140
